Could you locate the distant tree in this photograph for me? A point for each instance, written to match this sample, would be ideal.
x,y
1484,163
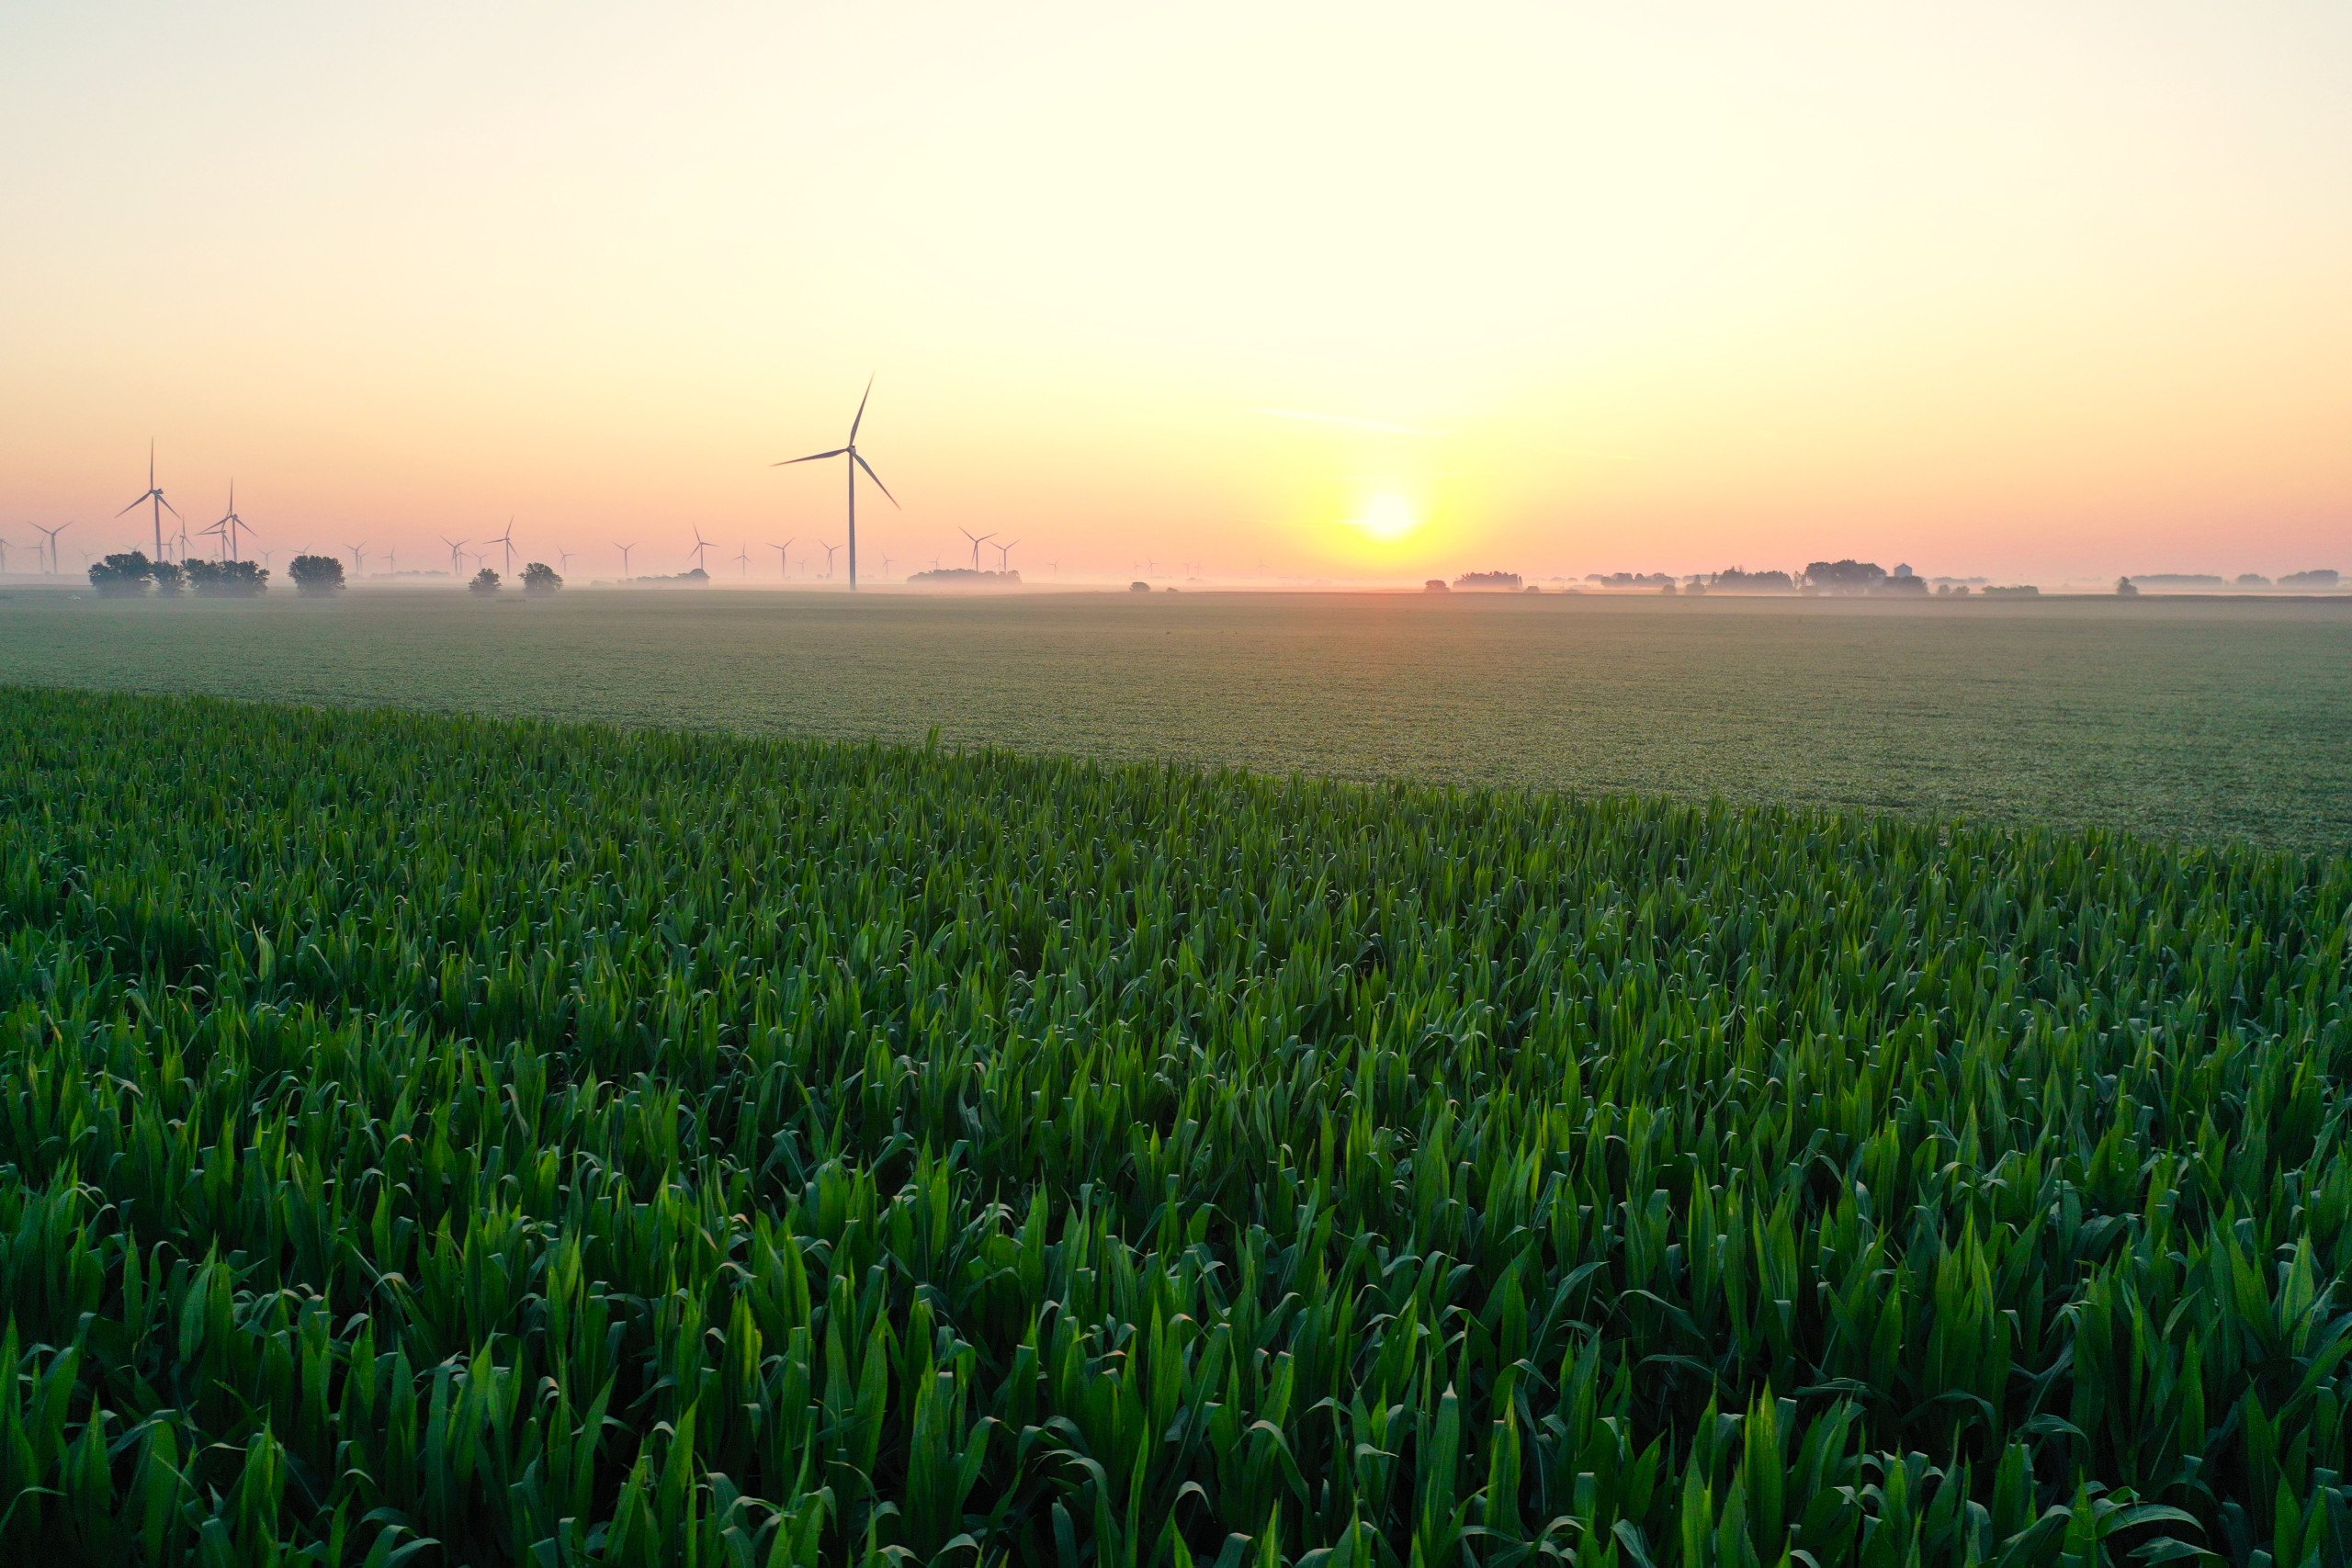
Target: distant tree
x,y
540,579
226,578
1138,587
2324,577
485,581
316,575
1847,576
1487,580
1435,585
2252,580
121,576
168,576
1737,579
2126,589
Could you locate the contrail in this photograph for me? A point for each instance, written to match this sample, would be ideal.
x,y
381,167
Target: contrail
x,y
1343,419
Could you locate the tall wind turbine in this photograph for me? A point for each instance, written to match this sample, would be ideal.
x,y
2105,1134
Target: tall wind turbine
x,y
780,549
230,523
563,559
508,539
358,557
744,561
154,499
701,545
52,534
1005,555
625,551
849,449
829,559
978,539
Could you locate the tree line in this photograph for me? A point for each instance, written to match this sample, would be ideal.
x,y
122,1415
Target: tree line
x,y
128,574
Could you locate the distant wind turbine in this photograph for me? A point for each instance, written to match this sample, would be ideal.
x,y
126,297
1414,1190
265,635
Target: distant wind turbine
x,y
507,539
358,557
701,545
393,562
780,549
53,533
829,559
457,555
849,449
154,499
1005,555
978,539
886,568
625,551
744,561
230,524
563,559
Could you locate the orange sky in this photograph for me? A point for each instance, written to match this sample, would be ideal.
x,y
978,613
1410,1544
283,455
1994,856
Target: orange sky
x,y
2008,289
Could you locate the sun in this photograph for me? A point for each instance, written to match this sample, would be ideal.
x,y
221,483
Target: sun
x,y
1388,517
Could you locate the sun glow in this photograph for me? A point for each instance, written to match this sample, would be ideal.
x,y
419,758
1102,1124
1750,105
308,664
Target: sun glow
x,y
1387,518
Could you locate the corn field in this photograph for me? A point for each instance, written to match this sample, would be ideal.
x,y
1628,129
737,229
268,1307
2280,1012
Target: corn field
x,y
436,1141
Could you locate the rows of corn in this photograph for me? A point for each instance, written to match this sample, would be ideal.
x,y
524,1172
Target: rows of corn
x,y
436,1141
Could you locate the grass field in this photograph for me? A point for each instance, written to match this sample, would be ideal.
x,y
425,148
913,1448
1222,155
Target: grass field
x,y
2206,720
440,1140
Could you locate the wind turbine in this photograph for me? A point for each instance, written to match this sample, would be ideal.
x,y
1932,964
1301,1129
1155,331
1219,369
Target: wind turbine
x,y
1005,555
780,549
231,524
829,559
508,539
849,449
701,545
358,557
886,568
393,562
52,534
154,499
457,555
744,561
977,540
563,559
625,551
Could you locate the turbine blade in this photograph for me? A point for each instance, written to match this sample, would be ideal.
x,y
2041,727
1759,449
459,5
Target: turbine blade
x,y
169,507
141,502
811,458
861,413
870,474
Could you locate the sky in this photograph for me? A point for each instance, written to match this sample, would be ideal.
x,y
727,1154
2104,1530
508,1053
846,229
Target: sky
x,y
1349,291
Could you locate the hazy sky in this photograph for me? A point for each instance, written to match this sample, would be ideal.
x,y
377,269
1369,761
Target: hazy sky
x,y
2007,288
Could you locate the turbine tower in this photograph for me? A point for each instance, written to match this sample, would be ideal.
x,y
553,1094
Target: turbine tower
x,y
829,559
743,560
230,524
779,549
457,555
1005,555
625,551
701,545
52,534
154,497
358,557
977,540
507,539
849,449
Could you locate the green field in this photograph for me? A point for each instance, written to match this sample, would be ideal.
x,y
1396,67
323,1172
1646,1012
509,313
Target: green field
x,y
2194,719
444,1140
